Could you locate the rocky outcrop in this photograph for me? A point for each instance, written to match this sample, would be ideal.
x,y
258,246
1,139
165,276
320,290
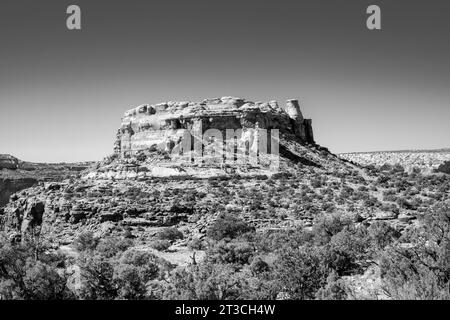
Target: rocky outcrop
x,y
445,167
214,137
16,175
9,186
25,215
160,127
8,162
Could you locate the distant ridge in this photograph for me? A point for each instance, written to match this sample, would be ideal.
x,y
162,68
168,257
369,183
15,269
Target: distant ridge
x,y
441,150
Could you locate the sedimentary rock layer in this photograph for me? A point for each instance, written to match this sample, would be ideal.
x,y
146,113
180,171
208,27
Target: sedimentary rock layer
x,y
162,126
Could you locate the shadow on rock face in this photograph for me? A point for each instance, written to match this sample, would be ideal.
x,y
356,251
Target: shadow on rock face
x,y
33,215
10,186
286,153
445,167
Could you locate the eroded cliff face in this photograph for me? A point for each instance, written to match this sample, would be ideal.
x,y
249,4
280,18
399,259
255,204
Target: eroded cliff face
x,y
161,126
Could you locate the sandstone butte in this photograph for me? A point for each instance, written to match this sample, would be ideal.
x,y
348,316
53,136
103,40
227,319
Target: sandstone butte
x,y
155,132
149,126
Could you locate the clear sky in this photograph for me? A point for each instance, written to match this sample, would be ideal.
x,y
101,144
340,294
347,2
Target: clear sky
x,y
62,93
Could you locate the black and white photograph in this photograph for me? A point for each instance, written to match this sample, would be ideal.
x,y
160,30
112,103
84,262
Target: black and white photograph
x,y
226,151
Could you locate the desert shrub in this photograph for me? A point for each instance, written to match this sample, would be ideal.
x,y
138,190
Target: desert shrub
x,y
334,289
196,244
228,226
45,282
170,234
327,225
346,192
86,241
316,183
96,273
160,245
347,251
327,191
383,180
390,197
127,234
436,224
111,246
397,168
362,189
300,273
233,252
271,241
371,202
312,209
304,265
420,269
206,281
141,157
120,273
382,234
405,276
132,273
31,272
259,266
328,207
404,203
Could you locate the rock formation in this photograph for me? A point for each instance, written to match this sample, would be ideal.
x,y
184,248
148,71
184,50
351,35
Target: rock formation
x,y
16,175
445,167
161,126
8,162
9,186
